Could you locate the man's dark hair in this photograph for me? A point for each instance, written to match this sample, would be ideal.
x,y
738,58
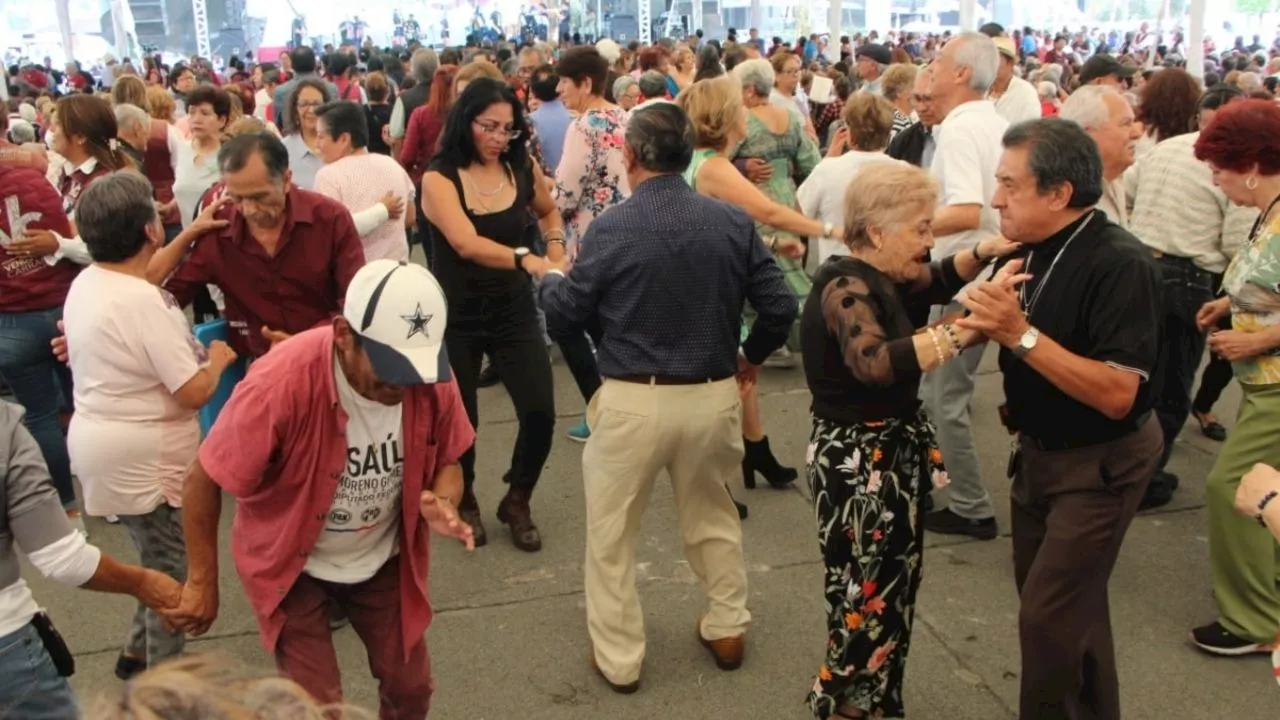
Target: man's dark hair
x,y
114,219
235,153
992,30
450,56
304,59
1059,152
345,117
543,83
457,142
662,137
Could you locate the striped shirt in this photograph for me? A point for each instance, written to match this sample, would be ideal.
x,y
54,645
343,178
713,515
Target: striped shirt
x,y
1177,210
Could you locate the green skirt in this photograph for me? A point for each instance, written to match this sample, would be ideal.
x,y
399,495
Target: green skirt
x,y
800,284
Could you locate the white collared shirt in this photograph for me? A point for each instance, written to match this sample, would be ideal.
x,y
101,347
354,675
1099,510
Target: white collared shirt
x,y
1020,102
964,162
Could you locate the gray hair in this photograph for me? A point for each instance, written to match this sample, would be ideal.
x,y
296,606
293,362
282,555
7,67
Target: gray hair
x,y
423,64
113,216
652,84
755,74
1047,90
978,53
130,116
622,85
1087,106
1249,82
609,50
661,136
21,132
511,67
1052,73
1060,153
533,50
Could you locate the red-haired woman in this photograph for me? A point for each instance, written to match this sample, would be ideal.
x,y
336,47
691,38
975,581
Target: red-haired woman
x,y
1242,147
421,135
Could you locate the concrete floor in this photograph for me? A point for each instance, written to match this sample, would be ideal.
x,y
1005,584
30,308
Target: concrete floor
x,y
509,639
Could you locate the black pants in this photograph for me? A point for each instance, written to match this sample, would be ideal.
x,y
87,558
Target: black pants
x,y
420,234
1215,378
1070,512
505,328
1186,289
575,346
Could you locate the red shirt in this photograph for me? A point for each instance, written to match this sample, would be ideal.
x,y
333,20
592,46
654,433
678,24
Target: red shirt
x,y
30,202
75,182
300,287
421,137
280,446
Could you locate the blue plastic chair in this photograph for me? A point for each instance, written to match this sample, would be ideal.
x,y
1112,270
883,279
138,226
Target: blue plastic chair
x,y
206,333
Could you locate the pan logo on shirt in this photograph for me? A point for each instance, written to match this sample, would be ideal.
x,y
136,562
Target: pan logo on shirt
x,y
369,491
417,322
339,517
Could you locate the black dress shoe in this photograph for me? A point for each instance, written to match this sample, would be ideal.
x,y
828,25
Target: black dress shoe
x,y
129,667
1159,491
947,522
1213,430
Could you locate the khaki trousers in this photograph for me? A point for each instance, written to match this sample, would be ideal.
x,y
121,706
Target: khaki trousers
x,y
694,432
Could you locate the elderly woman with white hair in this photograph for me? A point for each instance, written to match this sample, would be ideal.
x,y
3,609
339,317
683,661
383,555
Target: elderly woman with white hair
x,y
777,136
626,92
872,455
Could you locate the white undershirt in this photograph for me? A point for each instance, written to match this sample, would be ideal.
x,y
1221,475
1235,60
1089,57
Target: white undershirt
x,y
363,528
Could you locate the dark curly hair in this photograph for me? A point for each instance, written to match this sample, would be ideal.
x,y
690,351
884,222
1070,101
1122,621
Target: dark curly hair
x,y
1170,103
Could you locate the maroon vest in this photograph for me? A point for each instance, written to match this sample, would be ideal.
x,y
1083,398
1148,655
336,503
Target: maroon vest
x,y
158,167
28,201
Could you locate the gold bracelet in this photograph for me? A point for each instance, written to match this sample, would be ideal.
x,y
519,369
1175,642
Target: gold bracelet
x,y
557,240
937,345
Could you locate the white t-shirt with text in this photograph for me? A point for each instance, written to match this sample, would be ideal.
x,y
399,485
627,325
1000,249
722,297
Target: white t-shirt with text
x,y
362,531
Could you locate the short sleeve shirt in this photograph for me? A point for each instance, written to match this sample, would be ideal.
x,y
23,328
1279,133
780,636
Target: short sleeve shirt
x,y
1099,297
1252,282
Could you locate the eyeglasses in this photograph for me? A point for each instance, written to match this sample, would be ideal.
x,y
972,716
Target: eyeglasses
x,y
496,129
309,105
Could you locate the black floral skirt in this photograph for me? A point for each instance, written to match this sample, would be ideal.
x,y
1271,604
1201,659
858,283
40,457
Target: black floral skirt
x,y
868,482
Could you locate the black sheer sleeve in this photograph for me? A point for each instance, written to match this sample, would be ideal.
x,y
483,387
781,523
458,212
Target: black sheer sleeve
x,y
849,310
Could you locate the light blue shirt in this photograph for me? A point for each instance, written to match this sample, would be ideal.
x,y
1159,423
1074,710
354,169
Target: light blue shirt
x,y
551,122
302,162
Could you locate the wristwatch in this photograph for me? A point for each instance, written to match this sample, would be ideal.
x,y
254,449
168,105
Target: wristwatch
x,y
1026,343
521,254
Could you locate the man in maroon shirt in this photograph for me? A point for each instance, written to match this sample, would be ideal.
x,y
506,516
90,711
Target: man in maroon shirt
x,y
284,258
341,448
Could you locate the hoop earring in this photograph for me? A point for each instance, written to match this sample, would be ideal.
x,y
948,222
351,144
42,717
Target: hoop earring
x,y
1251,183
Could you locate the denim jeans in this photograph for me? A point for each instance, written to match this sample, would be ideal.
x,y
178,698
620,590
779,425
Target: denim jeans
x,y
30,687
1186,289
38,381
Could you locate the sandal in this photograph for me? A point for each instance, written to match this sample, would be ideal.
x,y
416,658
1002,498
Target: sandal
x,y
1211,429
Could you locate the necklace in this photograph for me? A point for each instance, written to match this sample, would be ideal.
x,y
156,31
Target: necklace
x,y
502,184
1261,222
1029,307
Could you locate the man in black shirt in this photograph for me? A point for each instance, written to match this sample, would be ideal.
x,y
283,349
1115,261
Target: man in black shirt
x,y
1079,341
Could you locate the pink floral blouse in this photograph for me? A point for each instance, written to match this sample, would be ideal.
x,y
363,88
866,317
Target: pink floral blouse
x,y
592,176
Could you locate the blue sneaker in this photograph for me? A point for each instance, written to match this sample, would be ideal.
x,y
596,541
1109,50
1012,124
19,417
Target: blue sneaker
x,y
580,432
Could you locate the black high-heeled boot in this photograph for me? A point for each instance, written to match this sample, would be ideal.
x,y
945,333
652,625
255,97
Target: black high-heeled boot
x,y
742,508
758,458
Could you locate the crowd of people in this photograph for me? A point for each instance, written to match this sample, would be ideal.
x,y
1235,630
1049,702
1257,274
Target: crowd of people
x,y
875,219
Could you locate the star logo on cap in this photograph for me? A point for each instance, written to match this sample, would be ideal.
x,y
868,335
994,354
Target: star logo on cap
x,y
417,322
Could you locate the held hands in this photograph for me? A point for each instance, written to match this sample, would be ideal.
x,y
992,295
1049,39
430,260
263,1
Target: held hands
x,y
196,610
442,518
790,248
159,591
1254,486
994,308
34,243
747,375
394,205
1233,345
1211,312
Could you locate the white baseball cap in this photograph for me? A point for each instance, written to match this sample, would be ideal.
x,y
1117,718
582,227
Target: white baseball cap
x,y
399,312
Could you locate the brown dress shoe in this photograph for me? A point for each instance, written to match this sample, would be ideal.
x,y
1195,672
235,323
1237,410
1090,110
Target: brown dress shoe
x,y
514,512
626,689
469,513
727,652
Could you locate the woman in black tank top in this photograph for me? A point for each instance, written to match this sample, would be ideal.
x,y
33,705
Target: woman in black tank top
x,y
484,208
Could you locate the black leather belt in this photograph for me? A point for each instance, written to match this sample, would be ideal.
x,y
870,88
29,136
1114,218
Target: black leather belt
x,y
1056,444
660,380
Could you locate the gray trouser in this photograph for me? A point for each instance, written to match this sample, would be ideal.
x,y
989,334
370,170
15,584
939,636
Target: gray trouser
x,y
159,540
946,393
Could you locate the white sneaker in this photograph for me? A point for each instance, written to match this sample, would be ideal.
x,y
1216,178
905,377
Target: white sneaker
x,y
113,519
